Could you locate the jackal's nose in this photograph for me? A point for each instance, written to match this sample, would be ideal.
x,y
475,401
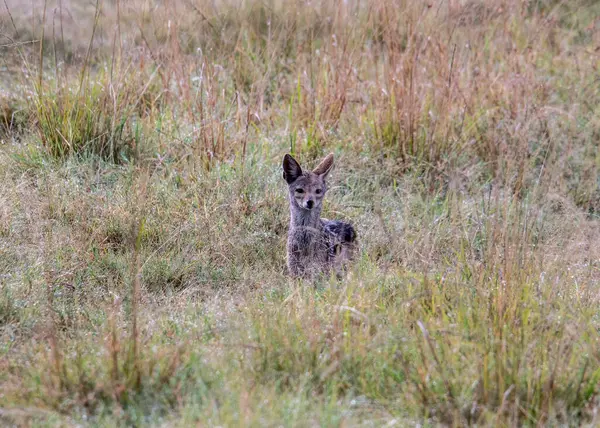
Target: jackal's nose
x,y
309,204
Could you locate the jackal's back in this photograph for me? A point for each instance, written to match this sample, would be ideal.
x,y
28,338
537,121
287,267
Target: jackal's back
x,y
340,239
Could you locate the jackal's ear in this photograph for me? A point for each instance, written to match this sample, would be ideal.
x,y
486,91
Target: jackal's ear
x,y
291,169
325,166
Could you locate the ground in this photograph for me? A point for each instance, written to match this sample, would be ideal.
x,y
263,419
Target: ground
x,y
143,214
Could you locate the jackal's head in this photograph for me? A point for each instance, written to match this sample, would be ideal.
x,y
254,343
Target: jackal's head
x,y
307,188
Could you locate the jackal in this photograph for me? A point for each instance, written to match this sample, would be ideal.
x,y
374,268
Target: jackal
x,y
315,245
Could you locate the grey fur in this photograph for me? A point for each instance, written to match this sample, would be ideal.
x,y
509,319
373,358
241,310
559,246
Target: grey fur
x,y
315,245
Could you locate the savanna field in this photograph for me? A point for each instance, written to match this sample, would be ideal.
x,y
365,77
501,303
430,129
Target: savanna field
x,y
143,213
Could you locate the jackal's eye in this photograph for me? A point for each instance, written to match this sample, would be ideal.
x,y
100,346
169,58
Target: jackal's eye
x,y
300,191
318,191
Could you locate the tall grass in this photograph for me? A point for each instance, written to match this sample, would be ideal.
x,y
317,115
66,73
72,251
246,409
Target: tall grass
x,y
143,217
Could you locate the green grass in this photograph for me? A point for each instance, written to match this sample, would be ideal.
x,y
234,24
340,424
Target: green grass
x,y
143,216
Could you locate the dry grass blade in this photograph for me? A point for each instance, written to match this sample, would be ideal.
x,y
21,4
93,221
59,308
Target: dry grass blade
x,y
438,363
